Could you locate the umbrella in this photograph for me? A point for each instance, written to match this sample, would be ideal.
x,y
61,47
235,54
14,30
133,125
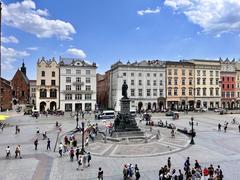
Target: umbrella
x,y
3,117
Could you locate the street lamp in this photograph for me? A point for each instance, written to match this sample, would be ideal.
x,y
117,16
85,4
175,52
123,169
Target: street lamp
x,y
82,150
77,119
192,141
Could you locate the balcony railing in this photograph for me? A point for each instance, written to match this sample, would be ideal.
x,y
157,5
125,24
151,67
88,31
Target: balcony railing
x,y
77,92
78,83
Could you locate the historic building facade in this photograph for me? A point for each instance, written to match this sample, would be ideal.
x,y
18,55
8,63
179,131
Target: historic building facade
x,y
6,92
47,85
20,87
77,85
103,86
207,88
146,84
180,85
237,68
32,84
228,83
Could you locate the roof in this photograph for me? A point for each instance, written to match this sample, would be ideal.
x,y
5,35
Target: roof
x,y
144,63
6,82
24,77
75,61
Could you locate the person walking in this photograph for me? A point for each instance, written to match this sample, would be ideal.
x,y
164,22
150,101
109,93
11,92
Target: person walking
x,y
219,127
8,152
100,173
48,144
60,149
80,165
18,152
77,153
89,158
71,153
169,163
137,173
36,144
16,129
239,128
84,160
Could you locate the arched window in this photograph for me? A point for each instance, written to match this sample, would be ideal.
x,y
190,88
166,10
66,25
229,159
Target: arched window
x,y
43,93
53,93
43,73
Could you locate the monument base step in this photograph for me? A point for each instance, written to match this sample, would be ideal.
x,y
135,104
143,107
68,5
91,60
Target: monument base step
x,y
127,134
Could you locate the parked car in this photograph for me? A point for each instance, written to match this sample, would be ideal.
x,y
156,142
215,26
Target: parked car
x,y
224,111
203,109
169,113
28,109
218,109
109,114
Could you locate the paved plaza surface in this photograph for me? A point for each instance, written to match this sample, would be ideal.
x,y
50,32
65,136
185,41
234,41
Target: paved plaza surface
x,y
212,147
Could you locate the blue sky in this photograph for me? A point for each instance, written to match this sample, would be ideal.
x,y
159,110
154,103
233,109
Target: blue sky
x,y
105,31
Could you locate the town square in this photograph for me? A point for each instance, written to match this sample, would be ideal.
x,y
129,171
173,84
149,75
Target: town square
x,y
119,90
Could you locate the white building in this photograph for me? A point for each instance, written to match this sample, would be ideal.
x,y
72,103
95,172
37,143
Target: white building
x,y
32,88
146,84
77,85
47,86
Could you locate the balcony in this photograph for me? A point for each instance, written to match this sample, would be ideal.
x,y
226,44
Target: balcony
x,y
78,83
77,92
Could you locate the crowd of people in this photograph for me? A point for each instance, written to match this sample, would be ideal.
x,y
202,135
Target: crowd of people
x,y
129,172
195,172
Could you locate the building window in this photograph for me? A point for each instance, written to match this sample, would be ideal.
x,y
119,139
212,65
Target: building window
x,y
78,87
42,82
211,73
190,81
183,91
183,72
204,91
53,93
232,78
148,82
88,106
169,91
68,79
23,93
43,73
148,74
169,72
232,94
160,92
68,107
68,96
204,81
43,93
175,72
228,94
154,74
139,92
139,82
88,96
217,81
233,86
169,81
132,92
228,86
154,82
223,94
88,88
78,71
204,73
68,87
78,96
160,82
183,81
132,74
88,80
211,81
190,72
175,81
190,91
148,92
217,73
211,91
154,92
88,72
53,82
217,91
132,82
238,94
160,74
78,79
198,91
68,71
223,86
175,91
53,73
140,74
198,81
198,72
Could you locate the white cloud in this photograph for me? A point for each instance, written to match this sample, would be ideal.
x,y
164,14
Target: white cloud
x,y
137,28
32,48
9,56
77,52
24,15
10,39
214,16
148,11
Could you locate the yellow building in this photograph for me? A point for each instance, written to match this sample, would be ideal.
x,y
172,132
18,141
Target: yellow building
x,y
179,85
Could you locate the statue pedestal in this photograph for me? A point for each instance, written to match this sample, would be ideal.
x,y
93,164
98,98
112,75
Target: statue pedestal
x,y
125,124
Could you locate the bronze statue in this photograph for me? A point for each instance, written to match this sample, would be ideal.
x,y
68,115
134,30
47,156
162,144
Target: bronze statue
x,y
124,89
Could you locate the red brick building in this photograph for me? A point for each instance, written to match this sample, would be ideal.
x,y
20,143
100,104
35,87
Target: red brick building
x,y
20,87
6,93
103,86
228,89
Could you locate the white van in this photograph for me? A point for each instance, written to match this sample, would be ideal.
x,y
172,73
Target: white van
x,y
109,114
133,112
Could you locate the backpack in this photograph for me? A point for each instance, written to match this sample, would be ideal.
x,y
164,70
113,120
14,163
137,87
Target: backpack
x,y
79,162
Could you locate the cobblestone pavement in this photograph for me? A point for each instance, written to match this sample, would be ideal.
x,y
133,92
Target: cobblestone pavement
x,y
212,147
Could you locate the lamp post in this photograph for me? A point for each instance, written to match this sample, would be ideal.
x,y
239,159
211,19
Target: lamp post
x,y
192,141
77,119
82,150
